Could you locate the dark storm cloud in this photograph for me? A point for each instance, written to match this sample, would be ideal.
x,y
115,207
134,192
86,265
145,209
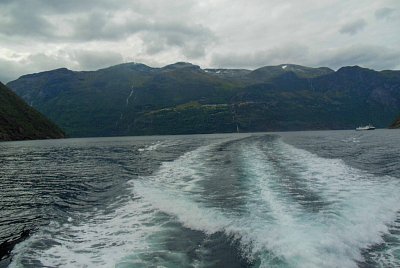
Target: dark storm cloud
x,y
353,27
384,12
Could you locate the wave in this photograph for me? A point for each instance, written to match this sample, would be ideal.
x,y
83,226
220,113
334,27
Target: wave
x,y
361,207
102,239
357,207
282,225
151,147
297,210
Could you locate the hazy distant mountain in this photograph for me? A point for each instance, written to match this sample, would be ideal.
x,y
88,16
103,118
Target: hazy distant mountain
x,y
18,121
135,99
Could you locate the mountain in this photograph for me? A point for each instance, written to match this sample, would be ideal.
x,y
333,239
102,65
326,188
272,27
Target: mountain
x,y
18,121
396,124
268,72
182,98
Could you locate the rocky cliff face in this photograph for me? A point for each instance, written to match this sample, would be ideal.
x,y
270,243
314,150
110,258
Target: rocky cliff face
x,y
19,121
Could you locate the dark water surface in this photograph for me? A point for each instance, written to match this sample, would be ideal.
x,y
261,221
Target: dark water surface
x,y
295,199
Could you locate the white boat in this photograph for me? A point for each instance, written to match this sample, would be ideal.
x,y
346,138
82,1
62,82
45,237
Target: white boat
x,y
367,127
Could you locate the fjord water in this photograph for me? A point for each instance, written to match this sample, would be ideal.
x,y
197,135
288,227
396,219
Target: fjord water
x,y
296,199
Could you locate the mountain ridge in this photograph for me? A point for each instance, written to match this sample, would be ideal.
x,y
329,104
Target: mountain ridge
x,y
136,99
18,121
396,123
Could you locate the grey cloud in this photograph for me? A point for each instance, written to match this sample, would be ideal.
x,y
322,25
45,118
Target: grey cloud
x,y
27,18
46,62
15,22
62,7
153,43
102,23
92,60
353,27
75,59
91,21
192,40
32,21
10,70
194,50
384,12
376,57
290,53
78,59
98,26
212,33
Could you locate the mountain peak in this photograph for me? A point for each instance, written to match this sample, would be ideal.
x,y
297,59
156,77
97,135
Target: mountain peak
x,y
356,70
269,72
353,68
181,65
181,98
129,65
47,73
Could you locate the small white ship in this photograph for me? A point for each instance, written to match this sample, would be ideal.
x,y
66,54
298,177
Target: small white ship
x,y
367,127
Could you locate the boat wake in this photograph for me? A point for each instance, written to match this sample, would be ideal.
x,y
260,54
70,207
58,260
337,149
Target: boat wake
x,y
301,210
272,204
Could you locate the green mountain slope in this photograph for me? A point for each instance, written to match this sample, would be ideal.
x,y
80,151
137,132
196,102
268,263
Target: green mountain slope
x,y
269,72
18,121
181,98
396,124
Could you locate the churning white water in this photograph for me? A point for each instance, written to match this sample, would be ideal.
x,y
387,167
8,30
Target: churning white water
x,y
254,200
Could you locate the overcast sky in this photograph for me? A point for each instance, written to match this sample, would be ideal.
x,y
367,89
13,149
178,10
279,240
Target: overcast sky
x,y
38,35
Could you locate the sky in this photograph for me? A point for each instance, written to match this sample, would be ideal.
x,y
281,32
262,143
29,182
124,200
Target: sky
x,y
40,35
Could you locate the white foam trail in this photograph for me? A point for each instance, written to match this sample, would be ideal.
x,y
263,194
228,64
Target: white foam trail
x,y
121,237
282,232
103,240
278,235
151,147
278,229
174,189
361,206
275,228
191,214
